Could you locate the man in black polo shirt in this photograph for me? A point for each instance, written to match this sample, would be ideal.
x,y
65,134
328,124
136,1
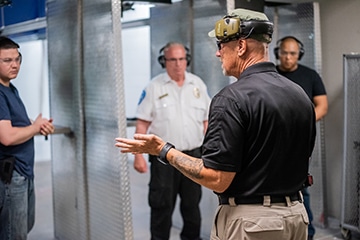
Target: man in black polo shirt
x,y
260,136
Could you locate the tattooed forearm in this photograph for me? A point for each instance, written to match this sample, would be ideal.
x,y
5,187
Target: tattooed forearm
x,y
188,166
194,169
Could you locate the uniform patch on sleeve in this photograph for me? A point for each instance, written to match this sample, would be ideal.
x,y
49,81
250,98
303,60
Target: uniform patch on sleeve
x,y
142,96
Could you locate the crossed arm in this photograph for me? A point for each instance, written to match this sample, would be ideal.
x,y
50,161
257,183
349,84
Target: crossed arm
x,y
10,135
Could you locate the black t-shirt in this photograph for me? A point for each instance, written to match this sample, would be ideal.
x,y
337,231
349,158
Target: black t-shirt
x,y
307,78
263,128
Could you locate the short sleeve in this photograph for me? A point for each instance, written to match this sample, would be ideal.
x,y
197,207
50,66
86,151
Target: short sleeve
x,y
224,140
145,105
318,87
4,109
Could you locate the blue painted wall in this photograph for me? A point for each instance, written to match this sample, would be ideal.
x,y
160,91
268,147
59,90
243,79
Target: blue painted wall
x,y
21,11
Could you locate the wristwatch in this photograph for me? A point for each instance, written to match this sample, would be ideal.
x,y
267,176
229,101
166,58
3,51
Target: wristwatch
x,y
162,156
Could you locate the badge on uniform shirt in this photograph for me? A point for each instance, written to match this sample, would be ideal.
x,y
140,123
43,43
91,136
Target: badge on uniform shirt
x,y
142,96
196,92
164,95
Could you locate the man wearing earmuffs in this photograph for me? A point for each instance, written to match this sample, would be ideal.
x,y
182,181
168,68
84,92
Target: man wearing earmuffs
x,y
289,51
174,106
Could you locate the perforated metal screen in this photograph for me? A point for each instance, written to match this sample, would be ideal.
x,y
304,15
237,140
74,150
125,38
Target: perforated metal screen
x,y
351,169
91,186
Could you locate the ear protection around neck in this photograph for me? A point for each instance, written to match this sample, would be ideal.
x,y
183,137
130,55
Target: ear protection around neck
x,y
278,43
161,58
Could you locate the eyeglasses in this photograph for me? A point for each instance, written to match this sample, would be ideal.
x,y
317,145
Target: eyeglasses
x,y
226,40
8,61
174,60
292,54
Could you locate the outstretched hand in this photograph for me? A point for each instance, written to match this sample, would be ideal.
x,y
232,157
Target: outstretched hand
x,y
142,143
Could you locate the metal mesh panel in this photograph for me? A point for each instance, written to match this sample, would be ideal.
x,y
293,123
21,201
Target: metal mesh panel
x,y
351,169
162,29
108,182
296,20
205,63
63,68
91,184
305,17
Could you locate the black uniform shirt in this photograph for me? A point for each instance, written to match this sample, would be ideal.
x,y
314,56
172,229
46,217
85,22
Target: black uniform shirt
x,y
263,128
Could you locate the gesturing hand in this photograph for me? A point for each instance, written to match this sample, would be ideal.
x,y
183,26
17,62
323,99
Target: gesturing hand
x,y
142,143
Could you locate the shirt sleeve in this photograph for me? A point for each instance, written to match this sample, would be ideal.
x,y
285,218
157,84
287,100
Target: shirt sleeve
x,y
223,143
4,110
145,105
318,85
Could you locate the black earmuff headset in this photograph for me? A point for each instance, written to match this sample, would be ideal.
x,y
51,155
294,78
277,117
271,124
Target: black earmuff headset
x,y
278,43
232,27
161,58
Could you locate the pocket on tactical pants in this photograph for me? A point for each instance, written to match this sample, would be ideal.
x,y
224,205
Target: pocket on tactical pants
x,y
256,228
215,226
270,228
263,224
305,216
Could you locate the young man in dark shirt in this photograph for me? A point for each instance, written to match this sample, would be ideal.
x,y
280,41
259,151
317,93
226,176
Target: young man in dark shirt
x,y
17,131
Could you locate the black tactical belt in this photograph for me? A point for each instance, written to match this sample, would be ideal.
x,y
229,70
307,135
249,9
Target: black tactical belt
x,y
259,199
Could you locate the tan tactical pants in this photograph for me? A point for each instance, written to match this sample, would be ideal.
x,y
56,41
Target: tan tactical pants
x,y
277,221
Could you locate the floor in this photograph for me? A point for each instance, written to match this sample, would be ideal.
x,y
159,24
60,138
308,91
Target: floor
x,y
43,229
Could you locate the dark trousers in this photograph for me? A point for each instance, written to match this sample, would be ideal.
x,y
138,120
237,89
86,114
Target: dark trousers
x,y
165,184
306,195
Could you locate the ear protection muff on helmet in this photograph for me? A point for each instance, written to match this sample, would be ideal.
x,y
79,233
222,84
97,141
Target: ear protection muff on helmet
x,y
278,43
232,27
161,58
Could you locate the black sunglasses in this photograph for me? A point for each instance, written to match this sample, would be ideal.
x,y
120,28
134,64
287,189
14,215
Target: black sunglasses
x,y
225,40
